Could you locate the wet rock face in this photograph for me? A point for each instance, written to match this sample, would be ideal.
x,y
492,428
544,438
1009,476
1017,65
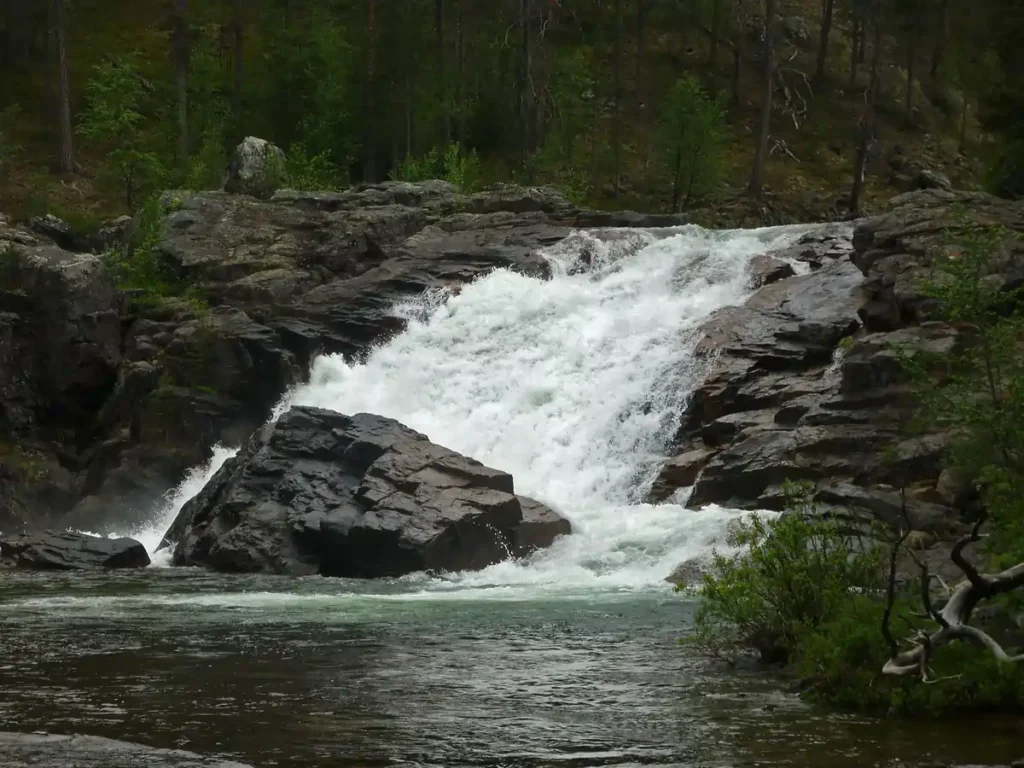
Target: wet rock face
x,y
357,496
66,551
804,382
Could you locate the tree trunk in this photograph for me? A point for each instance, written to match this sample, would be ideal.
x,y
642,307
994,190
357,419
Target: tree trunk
x,y
527,97
737,65
761,150
963,126
369,113
49,92
911,58
676,181
67,147
939,52
716,30
870,117
442,83
826,31
853,53
180,43
460,86
617,108
237,28
641,39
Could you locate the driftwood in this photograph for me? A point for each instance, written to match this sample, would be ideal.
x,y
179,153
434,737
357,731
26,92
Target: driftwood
x,y
954,618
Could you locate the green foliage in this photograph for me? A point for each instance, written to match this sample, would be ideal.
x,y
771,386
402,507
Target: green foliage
x,y
976,391
9,151
692,139
140,268
304,171
451,164
114,116
808,593
796,573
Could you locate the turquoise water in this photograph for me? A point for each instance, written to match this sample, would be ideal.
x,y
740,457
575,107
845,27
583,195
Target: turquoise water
x,y
317,672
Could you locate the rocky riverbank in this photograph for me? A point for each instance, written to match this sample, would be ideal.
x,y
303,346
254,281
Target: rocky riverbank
x,y
107,400
803,381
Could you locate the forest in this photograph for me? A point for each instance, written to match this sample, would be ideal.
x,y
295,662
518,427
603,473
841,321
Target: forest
x,y
739,111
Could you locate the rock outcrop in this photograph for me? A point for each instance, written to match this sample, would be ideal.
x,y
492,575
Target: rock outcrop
x,y
356,496
803,381
66,551
107,397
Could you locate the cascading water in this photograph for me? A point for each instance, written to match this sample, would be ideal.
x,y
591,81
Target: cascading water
x,y
574,385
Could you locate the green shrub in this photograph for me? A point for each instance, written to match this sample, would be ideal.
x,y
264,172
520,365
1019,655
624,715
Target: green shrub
x,y
304,171
114,116
796,574
9,151
451,164
692,136
140,267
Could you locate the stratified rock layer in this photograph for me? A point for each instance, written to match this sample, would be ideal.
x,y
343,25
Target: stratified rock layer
x,y
357,496
804,383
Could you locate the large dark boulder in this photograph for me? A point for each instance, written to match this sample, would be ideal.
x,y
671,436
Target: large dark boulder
x,y
67,551
357,496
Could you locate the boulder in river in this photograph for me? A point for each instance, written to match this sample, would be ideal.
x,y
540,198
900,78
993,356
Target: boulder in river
x,y
358,496
68,551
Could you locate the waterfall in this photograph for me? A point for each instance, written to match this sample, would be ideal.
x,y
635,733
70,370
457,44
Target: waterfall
x,y
574,385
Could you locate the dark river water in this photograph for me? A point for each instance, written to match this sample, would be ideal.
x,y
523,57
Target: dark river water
x,y
315,672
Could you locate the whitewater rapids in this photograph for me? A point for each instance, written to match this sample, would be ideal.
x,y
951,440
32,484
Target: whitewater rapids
x,y
574,385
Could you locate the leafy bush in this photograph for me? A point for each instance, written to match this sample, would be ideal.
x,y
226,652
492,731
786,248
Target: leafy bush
x,y
976,391
306,171
692,137
796,574
8,149
140,266
114,115
451,163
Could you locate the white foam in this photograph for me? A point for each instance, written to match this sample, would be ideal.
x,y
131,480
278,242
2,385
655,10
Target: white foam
x,y
574,385
151,534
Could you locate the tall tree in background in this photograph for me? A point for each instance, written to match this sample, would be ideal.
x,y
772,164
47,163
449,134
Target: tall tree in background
x,y
181,52
870,119
828,9
59,32
442,73
617,96
767,86
528,98
238,29
369,100
941,38
716,31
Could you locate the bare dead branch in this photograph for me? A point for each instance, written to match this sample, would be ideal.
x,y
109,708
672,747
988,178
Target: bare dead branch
x,y
954,617
961,562
890,601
